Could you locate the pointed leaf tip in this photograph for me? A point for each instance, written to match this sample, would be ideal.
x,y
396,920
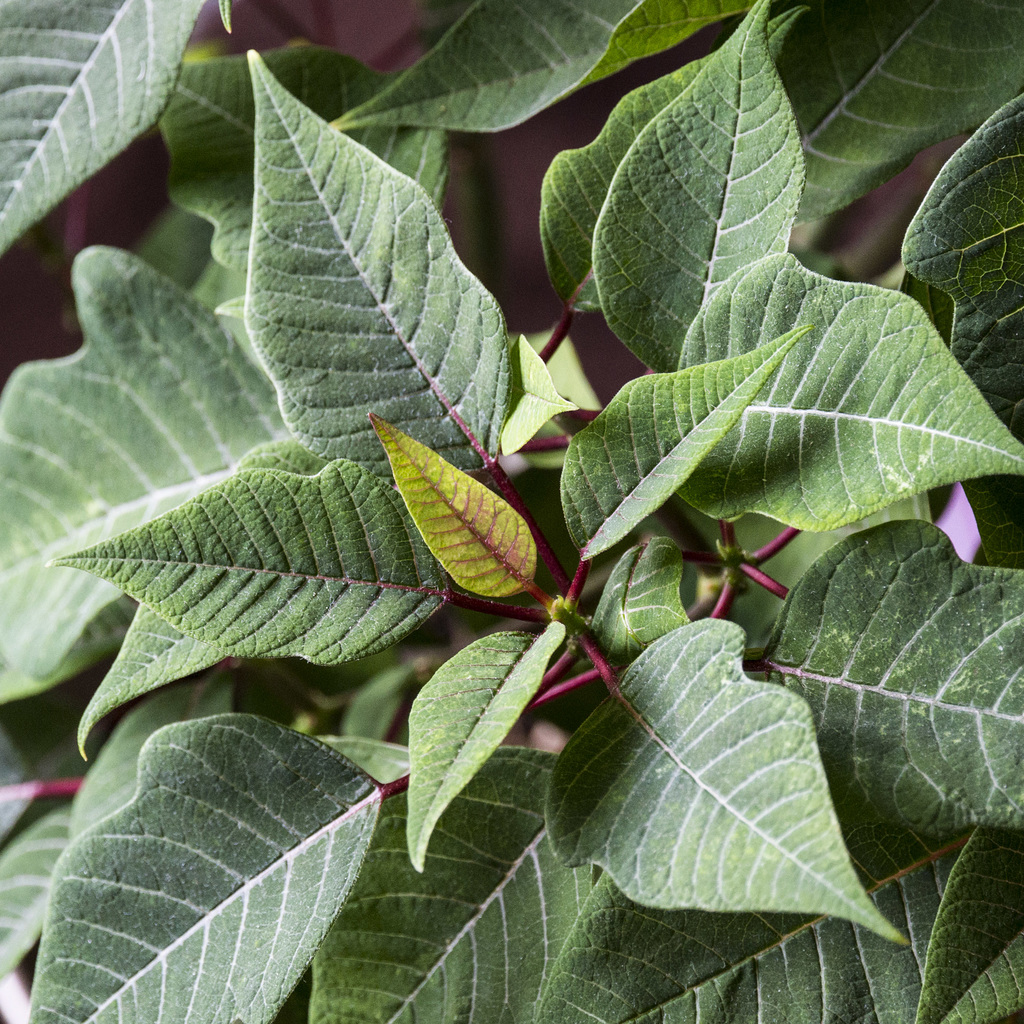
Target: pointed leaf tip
x,y
483,543
225,14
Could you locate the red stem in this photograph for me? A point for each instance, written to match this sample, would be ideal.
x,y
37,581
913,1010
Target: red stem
x,y
724,602
387,789
772,586
703,557
560,667
546,444
579,581
728,532
588,415
559,690
510,611
559,334
773,547
40,789
607,673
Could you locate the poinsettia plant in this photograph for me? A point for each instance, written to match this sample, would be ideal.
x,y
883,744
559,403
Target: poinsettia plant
x,y
362,547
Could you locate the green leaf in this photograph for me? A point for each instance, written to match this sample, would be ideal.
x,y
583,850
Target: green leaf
x,y
472,938
111,437
79,82
500,64
12,771
875,410
357,301
976,949
225,13
640,602
627,963
209,893
652,437
268,564
153,654
935,302
910,660
377,701
100,639
577,182
461,716
110,782
287,455
534,399
998,504
384,762
26,866
720,167
567,373
483,543
694,786
208,128
658,24
874,82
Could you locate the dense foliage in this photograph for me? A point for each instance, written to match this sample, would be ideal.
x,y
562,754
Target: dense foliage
x,y
351,507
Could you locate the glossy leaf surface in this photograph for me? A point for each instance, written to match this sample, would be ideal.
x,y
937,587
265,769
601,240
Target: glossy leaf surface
x,y
652,437
78,82
209,130
404,949
626,963
483,543
871,408
356,300
709,186
269,564
158,405
875,81
461,716
213,888
910,661
696,786
640,602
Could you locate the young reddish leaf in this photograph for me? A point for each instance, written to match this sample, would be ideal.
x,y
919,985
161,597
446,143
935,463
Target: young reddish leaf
x,y
478,537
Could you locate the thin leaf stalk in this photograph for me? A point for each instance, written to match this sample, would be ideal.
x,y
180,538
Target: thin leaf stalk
x,y
724,603
579,581
773,586
41,789
773,547
600,662
510,611
567,686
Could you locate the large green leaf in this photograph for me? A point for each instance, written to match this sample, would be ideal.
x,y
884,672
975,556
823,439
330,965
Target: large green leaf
x,y
208,127
976,950
577,182
26,867
501,63
153,654
910,660
694,786
870,409
627,964
461,716
159,404
966,240
209,893
472,938
874,81
357,301
110,781
652,437
100,639
658,24
709,186
78,82
484,544
267,563
640,602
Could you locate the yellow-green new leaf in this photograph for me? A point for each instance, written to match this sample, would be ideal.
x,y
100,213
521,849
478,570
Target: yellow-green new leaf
x,y
482,541
534,397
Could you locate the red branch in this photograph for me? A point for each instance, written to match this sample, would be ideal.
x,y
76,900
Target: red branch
x,y
724,602
773,547
560,689
772,586
40,789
